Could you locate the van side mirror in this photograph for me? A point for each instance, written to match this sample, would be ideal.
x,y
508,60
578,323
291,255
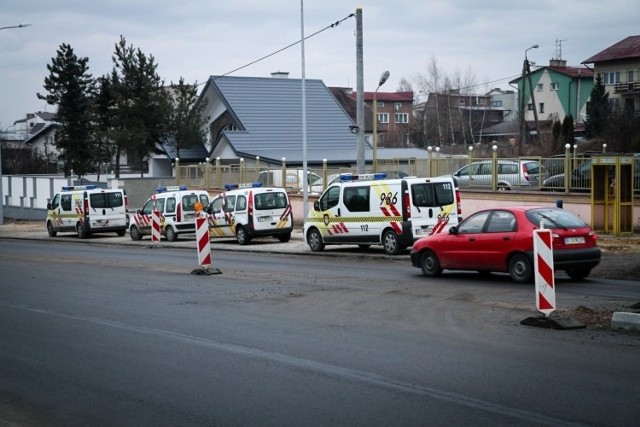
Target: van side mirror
x,y
316,205
49,207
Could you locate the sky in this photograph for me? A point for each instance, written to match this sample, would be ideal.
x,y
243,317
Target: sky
x,y
195,39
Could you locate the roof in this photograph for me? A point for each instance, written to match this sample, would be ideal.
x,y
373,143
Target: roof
x,y
573,72
40,131
624,49
390,96
268,112
192,154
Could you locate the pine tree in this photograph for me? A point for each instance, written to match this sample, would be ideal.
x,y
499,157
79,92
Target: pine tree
x,y
70,87
567,130
598,111
186,117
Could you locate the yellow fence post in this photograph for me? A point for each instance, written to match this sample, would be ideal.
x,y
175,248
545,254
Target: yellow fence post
x,y
218,173
177,171
284,173
494,167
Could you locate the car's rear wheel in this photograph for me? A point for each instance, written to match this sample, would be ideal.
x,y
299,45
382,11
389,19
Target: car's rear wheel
x,y
430,264
242,235
578,275
171,234
314,240
82,233
121,233
520,269
134,233
284,238
52,232
391,243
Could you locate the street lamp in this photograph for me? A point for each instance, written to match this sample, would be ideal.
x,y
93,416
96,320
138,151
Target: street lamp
x,y
383,79
1,179
526,71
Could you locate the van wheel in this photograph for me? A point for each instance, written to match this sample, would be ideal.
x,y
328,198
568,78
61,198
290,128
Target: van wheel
x,y
284,237
82,233
430,264
314,240
52,232
121,233
134,233
242,235
520,269
391,243
171,234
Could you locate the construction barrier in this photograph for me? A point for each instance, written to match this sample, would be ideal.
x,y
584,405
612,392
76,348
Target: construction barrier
x,y
203,240
155,226
544,271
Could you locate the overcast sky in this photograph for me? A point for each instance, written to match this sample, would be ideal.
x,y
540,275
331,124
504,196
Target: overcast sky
x,y
195,39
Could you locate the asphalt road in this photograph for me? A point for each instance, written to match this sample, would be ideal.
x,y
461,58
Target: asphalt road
x,y
103,335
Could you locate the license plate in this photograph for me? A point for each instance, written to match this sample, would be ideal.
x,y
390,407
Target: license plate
x,y
573,240
264,219
421,231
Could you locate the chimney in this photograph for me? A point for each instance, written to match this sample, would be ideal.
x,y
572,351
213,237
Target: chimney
x,y
280,75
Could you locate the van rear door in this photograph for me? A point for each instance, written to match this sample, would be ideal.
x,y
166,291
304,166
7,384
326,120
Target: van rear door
x,y
434,207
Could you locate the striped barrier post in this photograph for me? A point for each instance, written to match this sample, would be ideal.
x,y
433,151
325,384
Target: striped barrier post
x,y
544,271
203,245
155,226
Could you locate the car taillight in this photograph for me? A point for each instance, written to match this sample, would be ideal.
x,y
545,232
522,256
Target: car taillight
x,y
525,172
406,204
179,213
458,202
86,206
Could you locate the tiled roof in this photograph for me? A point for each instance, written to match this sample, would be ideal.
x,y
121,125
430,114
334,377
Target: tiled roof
x,y
583,72
40,131
269,112
624,49
186,155
390,96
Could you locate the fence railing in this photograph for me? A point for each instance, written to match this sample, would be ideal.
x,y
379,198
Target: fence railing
x,y
490,173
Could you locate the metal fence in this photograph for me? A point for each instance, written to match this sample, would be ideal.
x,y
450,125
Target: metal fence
x,y
490,173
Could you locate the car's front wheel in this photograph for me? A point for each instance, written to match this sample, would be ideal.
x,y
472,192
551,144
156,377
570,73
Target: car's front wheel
x,y
171,234
242,235
430,264
578,275
134,233
52,232
314,240
520,269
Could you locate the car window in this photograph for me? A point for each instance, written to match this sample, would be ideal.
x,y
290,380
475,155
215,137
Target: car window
x,y
330,198
56,201
356,199
501,221
241,203
485,169
507,169
554,218
216,205
532,167
171,205
189,202
473,224
229,203
65,202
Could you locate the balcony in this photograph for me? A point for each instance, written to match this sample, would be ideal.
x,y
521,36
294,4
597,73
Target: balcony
x,y
627,88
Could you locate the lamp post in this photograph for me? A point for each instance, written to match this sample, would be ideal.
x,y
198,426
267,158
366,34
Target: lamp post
x,y
383,79
1,178
526,72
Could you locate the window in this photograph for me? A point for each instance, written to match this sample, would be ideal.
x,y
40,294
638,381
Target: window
x,y
397,106
402,118
481,101
271,200
555,86
462,101
356,199
473,224
241,205
530,106
330,198
540,87
541,109
65,202
501,221
496,104
611,78
630,76
380,103
383,117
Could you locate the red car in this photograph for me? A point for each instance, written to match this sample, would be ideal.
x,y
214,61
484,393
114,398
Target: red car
x,y
501,240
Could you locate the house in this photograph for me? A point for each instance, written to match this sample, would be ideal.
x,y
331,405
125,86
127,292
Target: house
x,y
507,100
619,65
261,118
394,111
454,118
558,90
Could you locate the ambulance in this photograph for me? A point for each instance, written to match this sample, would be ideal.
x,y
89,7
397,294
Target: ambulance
x,y
177,211
370,209
245,211
85,209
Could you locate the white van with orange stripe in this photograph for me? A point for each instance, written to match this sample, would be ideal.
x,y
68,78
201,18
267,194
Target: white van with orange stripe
x,y
249,210
370,210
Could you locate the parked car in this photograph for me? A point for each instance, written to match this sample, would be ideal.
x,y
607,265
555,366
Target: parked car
x,y
511,173
580,180
501,240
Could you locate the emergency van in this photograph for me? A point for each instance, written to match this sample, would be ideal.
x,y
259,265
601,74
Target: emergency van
x,y
85,209
370,210
177,210
249,210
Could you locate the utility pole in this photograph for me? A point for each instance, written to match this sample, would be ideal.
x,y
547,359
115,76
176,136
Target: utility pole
x,y
360,91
